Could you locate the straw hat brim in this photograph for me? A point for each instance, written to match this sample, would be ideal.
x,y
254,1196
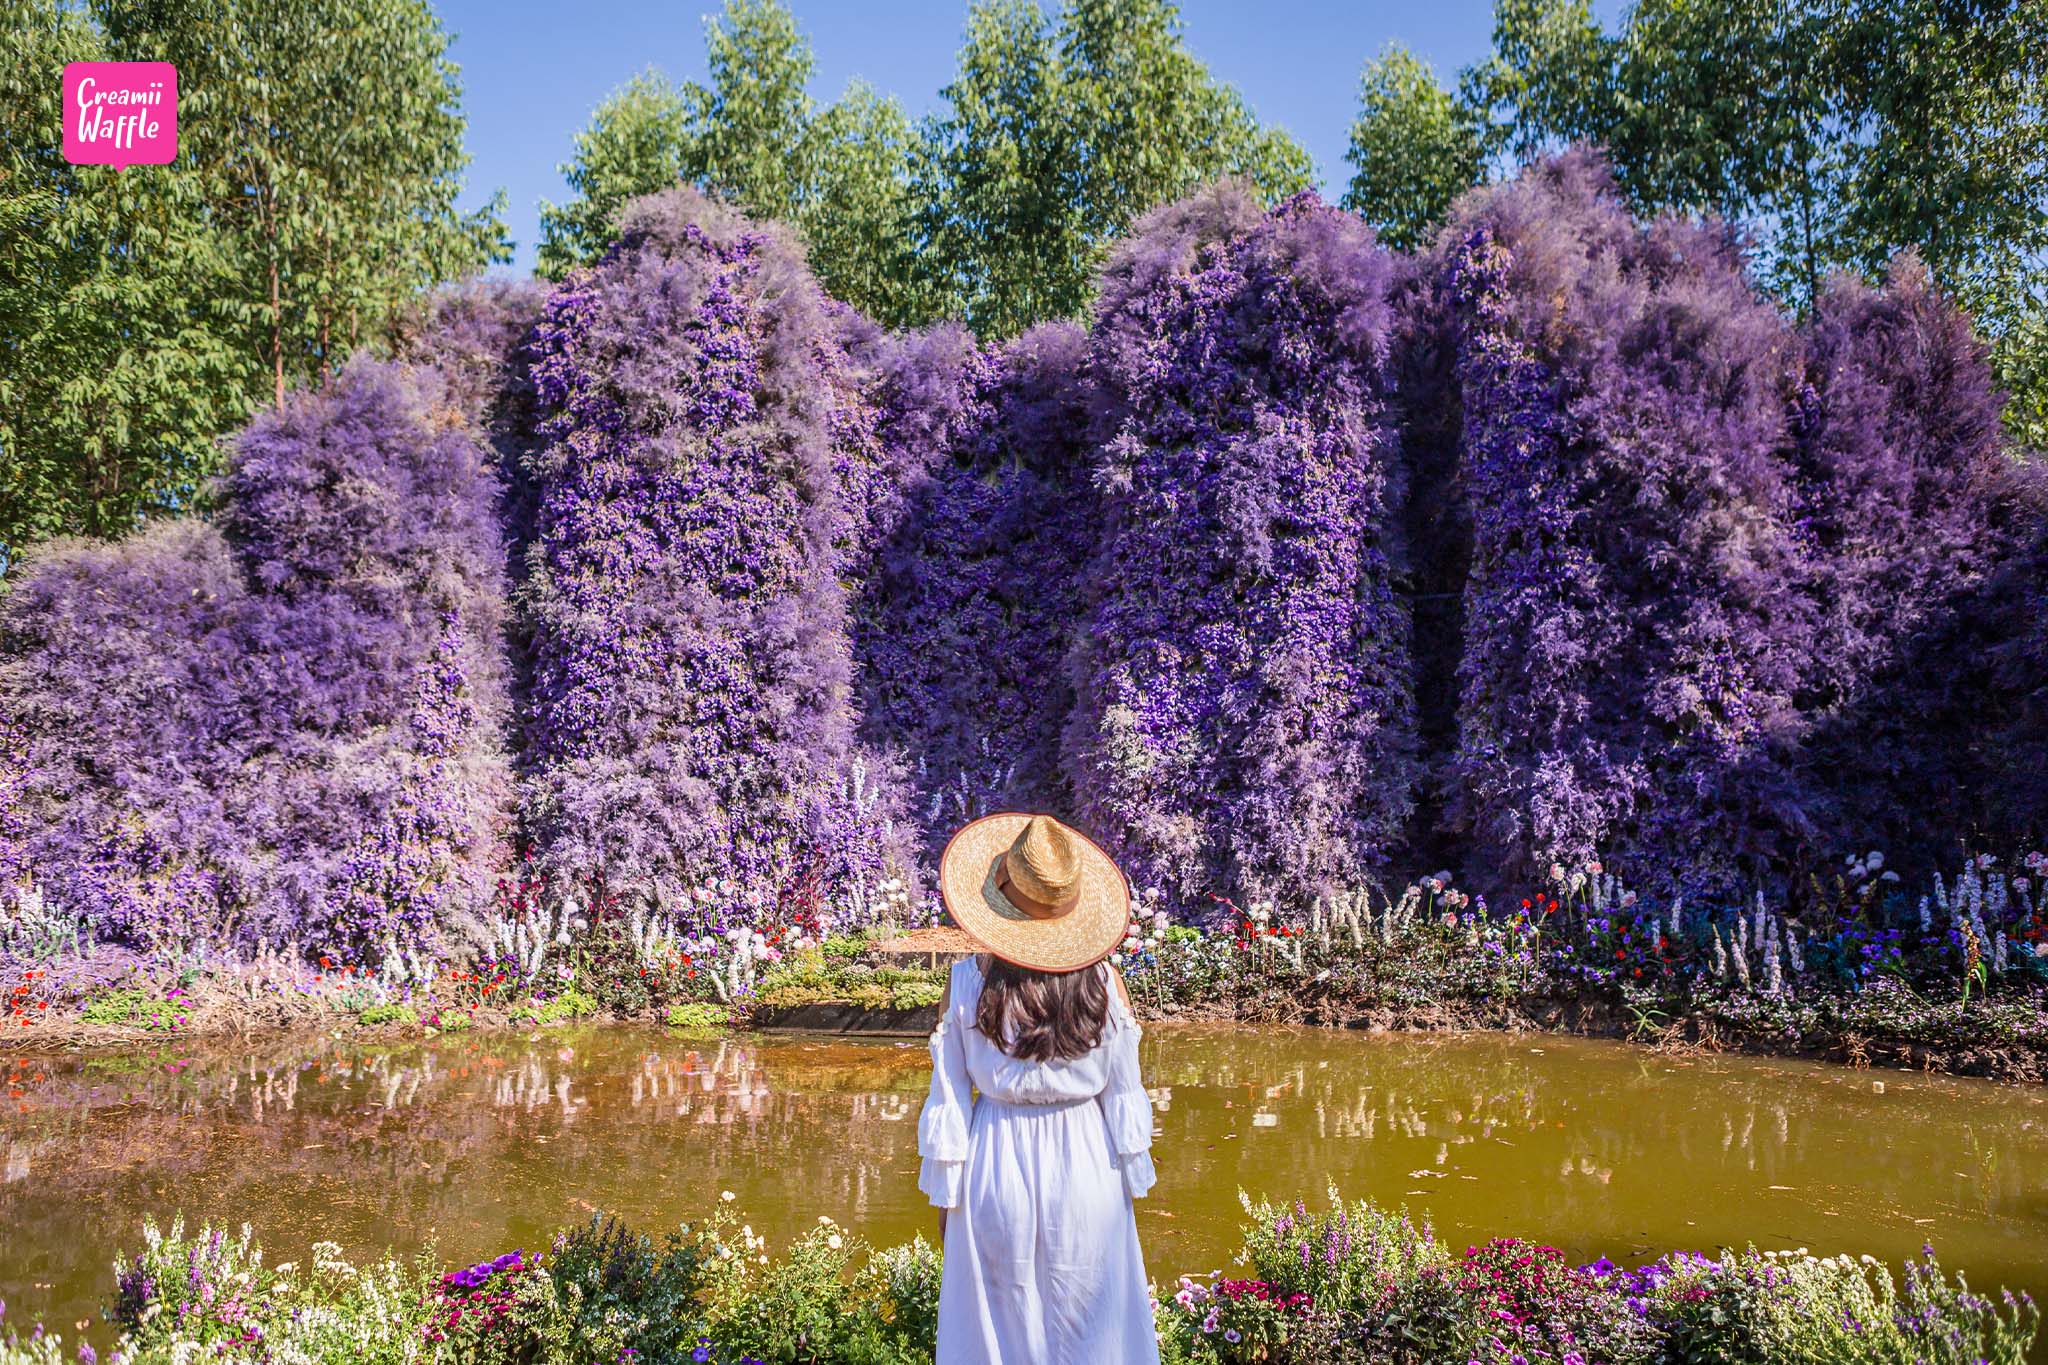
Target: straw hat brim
x,y
1085,934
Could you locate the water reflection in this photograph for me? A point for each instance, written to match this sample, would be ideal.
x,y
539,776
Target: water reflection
x,y
487,1144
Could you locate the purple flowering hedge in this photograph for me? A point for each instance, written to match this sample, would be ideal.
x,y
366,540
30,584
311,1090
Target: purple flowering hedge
x,y
1634,618
691,716
1244,719
968,603
1303,561
288,725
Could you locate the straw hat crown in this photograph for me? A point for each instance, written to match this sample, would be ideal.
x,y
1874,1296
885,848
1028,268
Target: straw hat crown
x,y
1044,863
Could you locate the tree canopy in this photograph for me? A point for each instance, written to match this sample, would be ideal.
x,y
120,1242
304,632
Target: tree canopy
x,y
145,311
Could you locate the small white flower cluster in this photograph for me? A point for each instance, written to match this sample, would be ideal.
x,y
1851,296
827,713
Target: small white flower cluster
x,y
1764,935
1149,924
653,937
403,963
527,939
1869,872
30,925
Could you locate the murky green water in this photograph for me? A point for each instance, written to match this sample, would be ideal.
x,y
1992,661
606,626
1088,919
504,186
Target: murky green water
x,y
481,1146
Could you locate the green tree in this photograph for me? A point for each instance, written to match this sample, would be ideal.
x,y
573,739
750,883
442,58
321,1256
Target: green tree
x,y
752,135
1841,132
1000,183
1151,122
114,374
326,138
143,312
1057,133
633,146
858,215
1414,147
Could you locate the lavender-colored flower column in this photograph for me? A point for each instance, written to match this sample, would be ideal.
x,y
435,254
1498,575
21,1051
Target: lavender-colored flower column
x,y
1929,546
1633,621
289,732
970,604
691,716
1244,710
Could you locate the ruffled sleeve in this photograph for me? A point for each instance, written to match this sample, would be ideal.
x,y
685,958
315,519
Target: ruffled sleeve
x,y
1124,1101
942,1127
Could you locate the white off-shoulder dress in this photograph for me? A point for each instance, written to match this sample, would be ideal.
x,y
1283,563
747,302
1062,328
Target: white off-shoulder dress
x,y
1037,1175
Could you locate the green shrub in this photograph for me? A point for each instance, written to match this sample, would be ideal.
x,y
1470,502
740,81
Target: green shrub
x,y
134,1007
696,1016
611,1294
917,994
1345,1283
389,1014
570,1004
453,1020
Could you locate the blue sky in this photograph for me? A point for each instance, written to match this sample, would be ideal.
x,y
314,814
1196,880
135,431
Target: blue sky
x,y
532,70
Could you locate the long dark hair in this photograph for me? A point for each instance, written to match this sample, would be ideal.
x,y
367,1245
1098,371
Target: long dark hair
x,y
1039,1016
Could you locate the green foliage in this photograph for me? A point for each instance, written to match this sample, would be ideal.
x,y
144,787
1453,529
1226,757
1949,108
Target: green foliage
x,y
1057,132
145,311
754,136
1415,147
389,1014
696,1016
1841,133
633,146
821,1299
612,1294
132,1007
115,374
820,976
570,1004
1345,1282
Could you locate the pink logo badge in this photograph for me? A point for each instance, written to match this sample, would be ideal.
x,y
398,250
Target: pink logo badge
x,y
120,113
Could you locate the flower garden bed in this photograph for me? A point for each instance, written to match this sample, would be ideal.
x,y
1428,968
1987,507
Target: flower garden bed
x,y
1336,1283
1875,980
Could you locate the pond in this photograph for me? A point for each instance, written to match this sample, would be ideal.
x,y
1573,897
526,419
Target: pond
x,y
481,1145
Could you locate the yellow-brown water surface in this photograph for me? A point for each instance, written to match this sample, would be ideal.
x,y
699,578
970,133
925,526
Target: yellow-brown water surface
x,y
483,1145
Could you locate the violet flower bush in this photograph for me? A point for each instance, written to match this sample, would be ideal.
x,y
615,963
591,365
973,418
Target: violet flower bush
x,y
692,718
967,610
1633,621
1927,567
1244,718
286,727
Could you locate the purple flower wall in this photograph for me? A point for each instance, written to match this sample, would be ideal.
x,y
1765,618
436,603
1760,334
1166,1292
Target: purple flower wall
x,y
286,729
1304,562
1633,625
968,609
691,716
1244,719
1928,677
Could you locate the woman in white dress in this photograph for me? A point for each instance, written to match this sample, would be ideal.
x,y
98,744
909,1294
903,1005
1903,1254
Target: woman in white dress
x,y
1036,1174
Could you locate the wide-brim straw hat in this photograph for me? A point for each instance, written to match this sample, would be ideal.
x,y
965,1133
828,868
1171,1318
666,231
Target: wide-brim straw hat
x,y
1034,892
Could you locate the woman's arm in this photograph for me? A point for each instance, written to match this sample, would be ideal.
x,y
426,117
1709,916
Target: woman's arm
x,y
942,1127
1125,1103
